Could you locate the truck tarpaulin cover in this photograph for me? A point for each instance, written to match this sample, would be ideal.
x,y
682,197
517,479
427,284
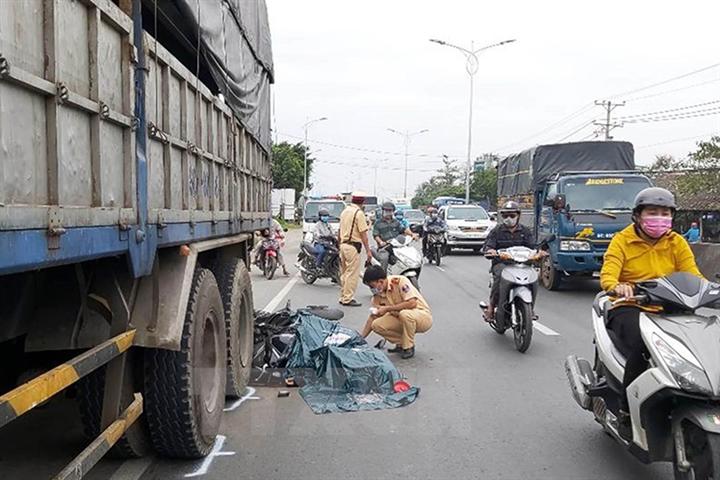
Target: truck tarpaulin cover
x,y
527,171
341,372
235,43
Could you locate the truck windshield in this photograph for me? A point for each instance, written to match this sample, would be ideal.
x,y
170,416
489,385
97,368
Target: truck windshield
x,y
602,193
467,213
311,210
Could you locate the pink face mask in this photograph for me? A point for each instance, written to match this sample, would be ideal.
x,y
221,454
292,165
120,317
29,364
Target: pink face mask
x,y
656,227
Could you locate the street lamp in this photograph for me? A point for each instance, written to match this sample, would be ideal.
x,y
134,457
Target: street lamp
x,y
305,150
471,66
407,136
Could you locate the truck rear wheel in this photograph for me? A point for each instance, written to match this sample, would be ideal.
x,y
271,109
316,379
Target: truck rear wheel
x,y
550,277
236,292
135,442
185,390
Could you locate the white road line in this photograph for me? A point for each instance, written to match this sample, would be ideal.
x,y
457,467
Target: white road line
x,y
545,330
441,269
250,395
270,307
132,469
215,452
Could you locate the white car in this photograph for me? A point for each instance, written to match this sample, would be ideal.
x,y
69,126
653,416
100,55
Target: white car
x,y
468,226
310,214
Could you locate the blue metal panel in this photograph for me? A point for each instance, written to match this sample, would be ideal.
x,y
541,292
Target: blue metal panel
x,y
180,233
142,249
22,250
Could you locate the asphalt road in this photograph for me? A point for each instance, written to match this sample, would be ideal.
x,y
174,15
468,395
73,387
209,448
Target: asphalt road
x,y
485,410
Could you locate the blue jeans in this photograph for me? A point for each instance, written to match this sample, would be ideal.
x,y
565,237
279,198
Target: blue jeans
x,y
320,251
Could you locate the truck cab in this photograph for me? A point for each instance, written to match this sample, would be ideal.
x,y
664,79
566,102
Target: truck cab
x,y
582,212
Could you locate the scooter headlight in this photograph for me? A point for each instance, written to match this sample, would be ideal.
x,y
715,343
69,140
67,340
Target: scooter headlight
x,y
690,377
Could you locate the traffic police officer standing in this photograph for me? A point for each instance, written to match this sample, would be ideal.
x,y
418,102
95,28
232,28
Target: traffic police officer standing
x,y
399,311
351,238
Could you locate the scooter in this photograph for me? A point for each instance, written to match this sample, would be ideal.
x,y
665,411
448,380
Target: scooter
x,y
674,405
268,260
517,295
330,267
435,244
405,259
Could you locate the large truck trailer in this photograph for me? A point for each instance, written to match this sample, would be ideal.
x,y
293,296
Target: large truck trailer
x,y
134,169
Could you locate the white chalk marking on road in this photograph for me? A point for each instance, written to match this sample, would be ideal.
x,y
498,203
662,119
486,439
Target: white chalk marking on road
x,y
441,269
132,469
270,307
250,395
545,330
215,452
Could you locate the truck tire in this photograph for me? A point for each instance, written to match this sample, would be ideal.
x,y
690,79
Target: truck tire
x,y
550,277
185,390
236,291
135,442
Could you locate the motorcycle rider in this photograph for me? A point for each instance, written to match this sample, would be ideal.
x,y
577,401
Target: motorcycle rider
x,y
386,229
400,217
508,233
432,219
275,232
399,311
322,233
645,250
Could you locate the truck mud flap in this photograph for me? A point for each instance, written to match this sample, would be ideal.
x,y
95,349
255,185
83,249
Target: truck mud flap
x,y
33,393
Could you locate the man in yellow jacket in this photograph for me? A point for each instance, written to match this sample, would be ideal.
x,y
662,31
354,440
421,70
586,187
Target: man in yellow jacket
x,y
645,250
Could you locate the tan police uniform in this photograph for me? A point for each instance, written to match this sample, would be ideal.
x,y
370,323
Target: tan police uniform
x,y
400,327
352,224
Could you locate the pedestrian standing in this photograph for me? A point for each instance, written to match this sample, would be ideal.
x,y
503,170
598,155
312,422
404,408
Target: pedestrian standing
x,y
352,237
693,233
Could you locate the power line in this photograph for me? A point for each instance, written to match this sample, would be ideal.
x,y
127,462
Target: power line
x,y
680,89
683,116
686,107
676,140
577,130
669,80
607,126
365,150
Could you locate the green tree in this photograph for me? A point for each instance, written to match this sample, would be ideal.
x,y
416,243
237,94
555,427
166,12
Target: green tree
x,y
287,166
484,186
706,159
444,183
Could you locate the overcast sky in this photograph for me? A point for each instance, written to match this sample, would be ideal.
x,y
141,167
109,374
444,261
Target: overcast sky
x,y
369,66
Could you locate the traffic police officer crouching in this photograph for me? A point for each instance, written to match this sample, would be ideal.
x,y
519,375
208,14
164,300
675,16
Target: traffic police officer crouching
x,y
399,311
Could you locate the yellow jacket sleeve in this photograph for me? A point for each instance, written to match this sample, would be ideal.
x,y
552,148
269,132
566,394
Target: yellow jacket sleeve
x,y
612,265
685,259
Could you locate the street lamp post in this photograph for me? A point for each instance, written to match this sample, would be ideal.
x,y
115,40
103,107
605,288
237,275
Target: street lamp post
x,y
406,137
305,150
472,65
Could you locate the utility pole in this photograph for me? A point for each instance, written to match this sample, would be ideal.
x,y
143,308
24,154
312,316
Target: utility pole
x,y
607,126
406,138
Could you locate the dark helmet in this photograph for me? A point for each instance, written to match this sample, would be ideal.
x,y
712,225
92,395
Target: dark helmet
x,y
510,207
323,212
654,197
388,206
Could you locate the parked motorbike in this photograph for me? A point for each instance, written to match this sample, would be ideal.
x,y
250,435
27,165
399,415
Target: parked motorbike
x,y
330,267
435,244
517,295
674,405
405,259
268,261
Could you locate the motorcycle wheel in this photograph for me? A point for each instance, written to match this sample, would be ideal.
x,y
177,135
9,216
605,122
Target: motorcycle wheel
x,y
523,329
308,277
438,254
335,270
703,451
270,266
